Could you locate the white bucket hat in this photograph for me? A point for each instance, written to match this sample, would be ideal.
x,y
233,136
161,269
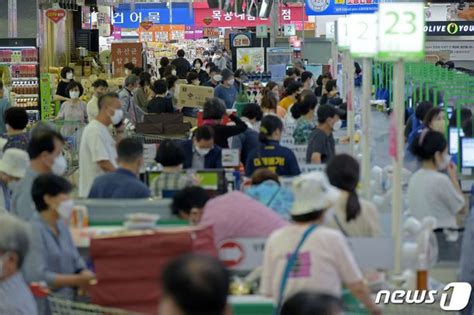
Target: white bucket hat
x,y
313,192
14,162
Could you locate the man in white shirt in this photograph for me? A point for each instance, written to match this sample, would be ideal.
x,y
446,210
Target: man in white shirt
x,y
100,88
98,152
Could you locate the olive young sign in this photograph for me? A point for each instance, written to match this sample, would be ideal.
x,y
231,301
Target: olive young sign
x,y
448,28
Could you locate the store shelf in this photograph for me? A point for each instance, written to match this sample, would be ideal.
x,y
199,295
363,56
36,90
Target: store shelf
x,y
26,95
25,79
19,63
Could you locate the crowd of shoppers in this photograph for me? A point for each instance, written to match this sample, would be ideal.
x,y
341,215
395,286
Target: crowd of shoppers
x,y
307,259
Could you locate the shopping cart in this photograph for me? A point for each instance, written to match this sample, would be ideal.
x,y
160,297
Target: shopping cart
x,y
72,133
61,306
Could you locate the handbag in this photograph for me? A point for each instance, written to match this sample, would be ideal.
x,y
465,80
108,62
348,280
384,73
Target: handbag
x,y
289,266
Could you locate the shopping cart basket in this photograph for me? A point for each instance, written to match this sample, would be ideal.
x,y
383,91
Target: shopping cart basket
x,y
61,306
72,133
155,139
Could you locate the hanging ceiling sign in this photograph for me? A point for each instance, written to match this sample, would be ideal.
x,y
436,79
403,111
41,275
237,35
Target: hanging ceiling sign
x,y
56,15
449,28
363,35
342,7
157,13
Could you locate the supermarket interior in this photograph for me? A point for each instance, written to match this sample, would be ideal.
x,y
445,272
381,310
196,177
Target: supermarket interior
x,y
246,157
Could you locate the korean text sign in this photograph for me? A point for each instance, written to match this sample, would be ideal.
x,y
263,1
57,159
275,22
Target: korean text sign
x,y
123,53
155,12
341,7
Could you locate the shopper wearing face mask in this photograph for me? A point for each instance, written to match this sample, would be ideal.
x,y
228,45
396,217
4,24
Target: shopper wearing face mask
x,y
216,77
303,112
126,97
124,182
193,79
198,68
306,255
430,191
67,76
16,119
45,150
226,91
201,152
248,140
219,60
182,65
270,154
128,68
435,120
98,153
15,295
292,91
54,258
13,166
100,88
321,144
73,110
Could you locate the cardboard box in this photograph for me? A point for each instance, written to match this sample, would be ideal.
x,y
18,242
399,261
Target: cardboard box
x,y
193,96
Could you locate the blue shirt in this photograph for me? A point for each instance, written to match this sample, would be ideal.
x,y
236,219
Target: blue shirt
x,y
121,184
273,156
22,204
50,255
227,94
16,297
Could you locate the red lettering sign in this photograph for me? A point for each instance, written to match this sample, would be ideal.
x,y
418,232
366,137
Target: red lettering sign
x,y
56,15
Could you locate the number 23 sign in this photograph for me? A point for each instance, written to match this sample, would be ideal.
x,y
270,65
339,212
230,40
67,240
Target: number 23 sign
x,y
400,31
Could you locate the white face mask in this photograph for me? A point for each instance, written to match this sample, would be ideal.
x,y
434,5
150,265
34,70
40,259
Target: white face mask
x,y
202,152
69,75
337,125
74,95
173,72
445,163
231,81
218,56
217,78
127,72
65,208
117,116
196,82
59,166
197,66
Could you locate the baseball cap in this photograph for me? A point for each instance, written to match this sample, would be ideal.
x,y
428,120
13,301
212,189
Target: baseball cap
x,y
313,192
328,111
14,162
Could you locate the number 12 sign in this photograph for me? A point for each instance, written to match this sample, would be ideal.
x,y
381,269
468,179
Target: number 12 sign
x,y
401,31
363,35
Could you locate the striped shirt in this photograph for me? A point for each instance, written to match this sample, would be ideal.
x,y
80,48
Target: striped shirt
x,y
16,297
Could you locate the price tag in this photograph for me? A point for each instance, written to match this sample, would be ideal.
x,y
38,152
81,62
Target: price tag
x,y
289,29
363,35
342,33
401,32
262,31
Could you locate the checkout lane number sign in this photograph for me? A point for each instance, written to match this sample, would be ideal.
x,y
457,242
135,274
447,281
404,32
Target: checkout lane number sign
x,y
401,31
342,33
363,35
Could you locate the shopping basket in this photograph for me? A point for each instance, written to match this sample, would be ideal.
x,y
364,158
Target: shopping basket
x,y
61,306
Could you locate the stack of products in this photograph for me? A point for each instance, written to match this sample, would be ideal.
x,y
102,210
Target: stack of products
x,y
163,124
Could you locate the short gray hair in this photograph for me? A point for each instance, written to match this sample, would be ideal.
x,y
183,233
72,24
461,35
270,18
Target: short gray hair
x,y
131,79
14,236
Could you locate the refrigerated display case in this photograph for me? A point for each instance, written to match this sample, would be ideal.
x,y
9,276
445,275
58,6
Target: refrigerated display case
x,y
19,69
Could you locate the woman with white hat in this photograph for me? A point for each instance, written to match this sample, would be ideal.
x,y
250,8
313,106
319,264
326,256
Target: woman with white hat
x,y
12,168
305,255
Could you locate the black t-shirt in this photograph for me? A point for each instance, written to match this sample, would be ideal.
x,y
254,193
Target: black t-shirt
x,y
160,104
320,142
